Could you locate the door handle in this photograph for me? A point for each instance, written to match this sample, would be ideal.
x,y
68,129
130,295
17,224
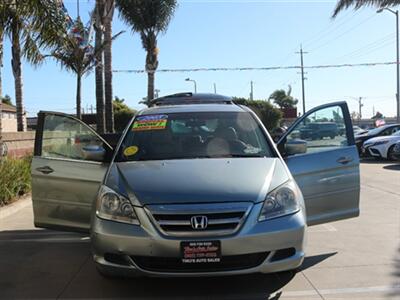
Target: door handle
x,y
344,160
45,170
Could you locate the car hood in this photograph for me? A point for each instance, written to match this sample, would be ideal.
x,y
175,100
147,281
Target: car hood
x,y
197,180
382,138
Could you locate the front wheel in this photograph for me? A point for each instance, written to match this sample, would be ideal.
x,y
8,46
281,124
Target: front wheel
x,y
390,155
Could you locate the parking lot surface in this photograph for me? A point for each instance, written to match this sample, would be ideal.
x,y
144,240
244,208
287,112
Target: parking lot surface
x,y
352,259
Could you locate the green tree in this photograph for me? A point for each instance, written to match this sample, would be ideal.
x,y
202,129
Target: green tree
x,y
149,18
122,114
345,4
75,57
6,100
268,114
30,26
75,54
284,99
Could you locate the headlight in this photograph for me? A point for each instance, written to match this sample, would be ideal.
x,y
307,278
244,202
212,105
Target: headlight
x,y
380,143
112,206
280,202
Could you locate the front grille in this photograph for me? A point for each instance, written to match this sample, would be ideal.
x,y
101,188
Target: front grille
x,y
173,264
222,218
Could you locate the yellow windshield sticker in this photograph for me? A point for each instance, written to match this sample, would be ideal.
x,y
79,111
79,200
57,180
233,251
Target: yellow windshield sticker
x,y
130,151
151,122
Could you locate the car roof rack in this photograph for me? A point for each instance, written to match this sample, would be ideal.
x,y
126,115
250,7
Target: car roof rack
x,y
191,98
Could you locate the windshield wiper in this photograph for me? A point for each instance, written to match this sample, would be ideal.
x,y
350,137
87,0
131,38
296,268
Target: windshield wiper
x,y
247,155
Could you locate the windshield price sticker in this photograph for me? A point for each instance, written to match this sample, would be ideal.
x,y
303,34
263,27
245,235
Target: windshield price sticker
x,y
152,122
201,252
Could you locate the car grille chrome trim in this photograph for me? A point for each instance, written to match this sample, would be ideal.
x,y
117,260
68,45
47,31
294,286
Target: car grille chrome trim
x,y
175,219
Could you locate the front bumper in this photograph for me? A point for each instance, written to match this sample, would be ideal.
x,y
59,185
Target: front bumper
x,y
371,151
124,242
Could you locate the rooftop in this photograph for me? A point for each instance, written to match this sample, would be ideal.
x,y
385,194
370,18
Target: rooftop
x,y
8,108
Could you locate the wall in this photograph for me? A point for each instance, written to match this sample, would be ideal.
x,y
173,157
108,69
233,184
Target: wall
x,y
19,143
9,122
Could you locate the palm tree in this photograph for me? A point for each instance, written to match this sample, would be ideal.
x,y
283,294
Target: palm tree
x,y
149,18
77,56
98,25
33,25
109,13
344,4
284,99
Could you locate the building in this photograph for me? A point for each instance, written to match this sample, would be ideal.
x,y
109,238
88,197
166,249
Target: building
x,y
9,118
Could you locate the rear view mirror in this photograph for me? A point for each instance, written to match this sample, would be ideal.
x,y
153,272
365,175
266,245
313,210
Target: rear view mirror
x,y
296,146
93,152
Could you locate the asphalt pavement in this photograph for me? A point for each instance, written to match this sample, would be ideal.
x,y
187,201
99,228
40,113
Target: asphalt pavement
x,y
351,259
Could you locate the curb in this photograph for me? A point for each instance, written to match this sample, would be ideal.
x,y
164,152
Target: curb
x,y
16,206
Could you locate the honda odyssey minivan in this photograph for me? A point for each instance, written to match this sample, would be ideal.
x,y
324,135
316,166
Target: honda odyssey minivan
x,y
194,187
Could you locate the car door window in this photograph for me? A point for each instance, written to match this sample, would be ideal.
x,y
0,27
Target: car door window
x,y
321,131
65,137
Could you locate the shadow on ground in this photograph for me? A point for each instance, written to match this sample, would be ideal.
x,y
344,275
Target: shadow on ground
x,y
46,264
394,167
374,161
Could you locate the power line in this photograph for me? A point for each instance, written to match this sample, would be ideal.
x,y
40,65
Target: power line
x,y
369,46
343,33
329,66
330,30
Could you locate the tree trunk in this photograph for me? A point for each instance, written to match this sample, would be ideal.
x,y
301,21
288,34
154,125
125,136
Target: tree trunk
x,y
108,65
78,95
17,72
150,86
100,117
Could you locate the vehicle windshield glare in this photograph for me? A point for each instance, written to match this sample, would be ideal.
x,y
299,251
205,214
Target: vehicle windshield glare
x,y
376,130
193,135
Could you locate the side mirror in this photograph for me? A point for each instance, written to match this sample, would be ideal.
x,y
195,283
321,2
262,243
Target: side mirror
x,y
296,146
93,152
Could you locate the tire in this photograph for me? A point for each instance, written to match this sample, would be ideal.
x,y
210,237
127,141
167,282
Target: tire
x,y
390,153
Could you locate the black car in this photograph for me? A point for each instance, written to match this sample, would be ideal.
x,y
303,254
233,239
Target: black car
x,y
380,131
319,130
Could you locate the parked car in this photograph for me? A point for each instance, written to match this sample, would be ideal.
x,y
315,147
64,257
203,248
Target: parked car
x,y
357,130
381,146
380,131
195,186
396,152
319,130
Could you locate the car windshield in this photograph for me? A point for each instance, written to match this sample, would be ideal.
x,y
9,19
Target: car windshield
x,y
193,135
375,131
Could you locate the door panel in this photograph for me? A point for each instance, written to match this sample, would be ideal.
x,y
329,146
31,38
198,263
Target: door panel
x,y
64,182
327,166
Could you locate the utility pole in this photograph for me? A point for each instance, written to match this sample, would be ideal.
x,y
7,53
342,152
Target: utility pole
x,y
156,91
360,105
302,77
215,88
251,90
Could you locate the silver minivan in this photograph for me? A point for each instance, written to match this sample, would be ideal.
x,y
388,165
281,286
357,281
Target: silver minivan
x,y
195,186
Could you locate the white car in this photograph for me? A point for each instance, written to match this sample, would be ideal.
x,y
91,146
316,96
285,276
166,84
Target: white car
x,y
381,146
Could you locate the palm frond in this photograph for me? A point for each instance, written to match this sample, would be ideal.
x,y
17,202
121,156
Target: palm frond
x,y
357,4
145,15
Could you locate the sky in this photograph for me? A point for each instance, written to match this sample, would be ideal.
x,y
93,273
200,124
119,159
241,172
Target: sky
x,y
207,34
